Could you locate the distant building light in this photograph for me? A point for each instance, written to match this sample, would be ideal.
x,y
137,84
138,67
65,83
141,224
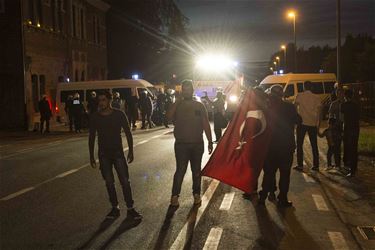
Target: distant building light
x,y
321,71
281,71
135,77
67,79
38,25
275,72
29,22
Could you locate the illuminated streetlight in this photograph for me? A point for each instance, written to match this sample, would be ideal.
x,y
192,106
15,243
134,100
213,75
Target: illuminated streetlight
x,y
271,69
283,47
292,15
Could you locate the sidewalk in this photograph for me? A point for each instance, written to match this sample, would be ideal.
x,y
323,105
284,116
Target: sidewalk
x,y
352,198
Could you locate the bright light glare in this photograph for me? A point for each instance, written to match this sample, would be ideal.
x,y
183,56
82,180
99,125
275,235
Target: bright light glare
x,y
135,77
291,14
233,98
215,63
283,47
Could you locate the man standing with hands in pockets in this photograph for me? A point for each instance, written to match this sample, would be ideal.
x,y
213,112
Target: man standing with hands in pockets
x,y
108,123
190,120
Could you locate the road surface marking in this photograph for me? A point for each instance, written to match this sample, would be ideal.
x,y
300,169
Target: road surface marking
x,y
338,241
11,196
308,178
67,173
64,174
180,241
213,239
227,201
319,202
142,142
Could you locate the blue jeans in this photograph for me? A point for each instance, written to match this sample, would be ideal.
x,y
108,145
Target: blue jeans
x,y
116,159
185,153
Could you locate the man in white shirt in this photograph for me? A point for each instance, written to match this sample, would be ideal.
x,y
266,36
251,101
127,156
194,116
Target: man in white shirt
x,y
308,106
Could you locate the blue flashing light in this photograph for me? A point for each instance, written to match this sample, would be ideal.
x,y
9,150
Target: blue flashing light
x,y
135,77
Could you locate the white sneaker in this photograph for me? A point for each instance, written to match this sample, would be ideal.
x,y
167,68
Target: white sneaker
x,y
197,199
174,201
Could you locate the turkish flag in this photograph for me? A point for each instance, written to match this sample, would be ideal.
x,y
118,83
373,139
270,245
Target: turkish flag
x,y
240,154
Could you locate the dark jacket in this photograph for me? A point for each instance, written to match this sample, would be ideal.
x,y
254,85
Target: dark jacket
x,y
92,105
45,109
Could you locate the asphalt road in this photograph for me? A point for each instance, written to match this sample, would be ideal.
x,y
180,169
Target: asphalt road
x,y
50,198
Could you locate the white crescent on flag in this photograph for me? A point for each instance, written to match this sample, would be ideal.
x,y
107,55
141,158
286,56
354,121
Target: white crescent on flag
x,y
257,114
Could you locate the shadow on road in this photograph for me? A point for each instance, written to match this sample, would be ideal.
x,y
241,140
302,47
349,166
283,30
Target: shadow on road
x,y
126,225
271,233
296,236
106,223
165,227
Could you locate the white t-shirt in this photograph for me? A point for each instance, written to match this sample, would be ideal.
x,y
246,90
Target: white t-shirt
x,y
308,107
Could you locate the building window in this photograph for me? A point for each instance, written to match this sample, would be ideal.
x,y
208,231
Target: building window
x,y
96,30
39,12
35,12
35,92
78,21
42,85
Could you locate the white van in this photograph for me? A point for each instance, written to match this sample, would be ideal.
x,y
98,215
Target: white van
x,y
126,88
323,84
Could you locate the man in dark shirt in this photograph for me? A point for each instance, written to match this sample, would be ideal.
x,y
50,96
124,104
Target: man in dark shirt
x,y
108,123
284,117
350,111
190,120
45,114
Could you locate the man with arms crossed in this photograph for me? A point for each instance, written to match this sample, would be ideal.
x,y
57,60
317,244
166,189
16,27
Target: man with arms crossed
x,y
190,120
108,123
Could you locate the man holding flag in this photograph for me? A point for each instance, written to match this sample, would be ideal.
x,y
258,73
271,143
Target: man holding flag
x,y
240,155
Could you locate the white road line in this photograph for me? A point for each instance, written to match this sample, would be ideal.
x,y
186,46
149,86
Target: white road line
x,y
142,142
308,178
180,241
319,202
213,239
11,196
64,174
227,201
338,241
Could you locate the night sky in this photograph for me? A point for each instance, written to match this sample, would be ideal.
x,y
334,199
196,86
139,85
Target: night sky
x,y
251,30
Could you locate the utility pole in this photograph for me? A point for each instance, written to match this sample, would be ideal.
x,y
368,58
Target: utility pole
x,y
338,26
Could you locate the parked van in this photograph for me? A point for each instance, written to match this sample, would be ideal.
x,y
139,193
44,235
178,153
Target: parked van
x,y
323,84
126,88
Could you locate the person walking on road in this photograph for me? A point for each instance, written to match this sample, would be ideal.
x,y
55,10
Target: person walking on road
x,y
333,136
92,105
108,123
77,113
190,120
308,105
69,112
335,113
45,114
117,102
220,121
351,113
145,106
281,149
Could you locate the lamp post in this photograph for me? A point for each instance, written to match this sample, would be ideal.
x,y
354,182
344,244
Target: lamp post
x,y
283,47
278,61
292,15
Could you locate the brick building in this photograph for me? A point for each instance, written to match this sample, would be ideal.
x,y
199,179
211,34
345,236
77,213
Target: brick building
x,y
63,40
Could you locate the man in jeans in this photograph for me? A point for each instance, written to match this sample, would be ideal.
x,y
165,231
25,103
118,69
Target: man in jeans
x,y
190,120
308,107
108,123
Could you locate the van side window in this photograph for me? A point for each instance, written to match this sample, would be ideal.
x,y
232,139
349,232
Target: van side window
x,y
64,94
300,87
125,93
289,91
97,91
317,88
329,87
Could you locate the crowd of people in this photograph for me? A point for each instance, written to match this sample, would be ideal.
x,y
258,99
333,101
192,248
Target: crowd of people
x,y
109,114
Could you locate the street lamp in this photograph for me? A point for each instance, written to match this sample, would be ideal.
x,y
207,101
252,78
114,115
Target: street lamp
x,y
283,47
292,15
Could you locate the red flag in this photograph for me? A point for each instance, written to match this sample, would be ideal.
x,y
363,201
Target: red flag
x,y
240,154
